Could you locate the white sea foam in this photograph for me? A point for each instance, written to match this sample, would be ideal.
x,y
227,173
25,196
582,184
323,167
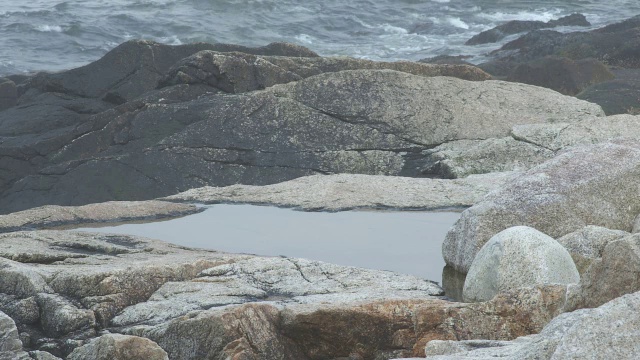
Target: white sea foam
x,y
394,29
457,22
537,15
305,39
170,40
49,28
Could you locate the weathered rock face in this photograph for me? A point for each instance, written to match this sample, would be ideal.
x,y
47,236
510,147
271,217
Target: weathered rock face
x,y
350,191
559,136
115,211
591,185
342,122
583,334
519,26
458,159
9,340
616,273
562,74
518,257
587,244
510,314
119,347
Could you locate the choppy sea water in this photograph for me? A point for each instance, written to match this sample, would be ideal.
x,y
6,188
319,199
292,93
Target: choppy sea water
x,y
54,35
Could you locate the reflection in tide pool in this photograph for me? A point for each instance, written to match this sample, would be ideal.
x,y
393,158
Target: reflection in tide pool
x,y
405,242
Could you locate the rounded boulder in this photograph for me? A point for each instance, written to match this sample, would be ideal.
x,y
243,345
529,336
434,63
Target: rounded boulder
x,y
518,257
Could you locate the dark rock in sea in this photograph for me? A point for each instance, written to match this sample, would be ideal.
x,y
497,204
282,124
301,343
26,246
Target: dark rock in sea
x,y
615,45
238,72
519,26
618,96
8,94
135,67
562,74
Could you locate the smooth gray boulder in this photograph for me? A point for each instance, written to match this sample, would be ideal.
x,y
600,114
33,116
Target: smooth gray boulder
x,y
352,191
607,332
590,185
518,257
587,244
119,347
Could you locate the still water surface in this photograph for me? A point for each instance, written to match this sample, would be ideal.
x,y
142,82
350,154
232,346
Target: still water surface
x,y
405,242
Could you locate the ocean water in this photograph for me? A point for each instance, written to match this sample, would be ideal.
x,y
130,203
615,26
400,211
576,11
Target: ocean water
x,y
52,35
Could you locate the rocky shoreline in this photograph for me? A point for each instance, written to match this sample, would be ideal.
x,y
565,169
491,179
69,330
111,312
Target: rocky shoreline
x,y
548,242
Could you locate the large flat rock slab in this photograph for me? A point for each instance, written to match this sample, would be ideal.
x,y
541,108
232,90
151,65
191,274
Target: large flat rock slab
x,y
109,212
352,191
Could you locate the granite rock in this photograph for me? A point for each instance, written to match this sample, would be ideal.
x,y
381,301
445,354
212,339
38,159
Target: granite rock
x,y
109,212
589,185
587,244
119,347
518,257
582,334
351,191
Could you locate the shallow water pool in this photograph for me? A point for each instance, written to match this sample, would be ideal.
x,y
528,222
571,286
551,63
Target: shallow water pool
x,y
401,241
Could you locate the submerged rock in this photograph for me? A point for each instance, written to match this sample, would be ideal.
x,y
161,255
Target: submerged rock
x,y
590,185
518,257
